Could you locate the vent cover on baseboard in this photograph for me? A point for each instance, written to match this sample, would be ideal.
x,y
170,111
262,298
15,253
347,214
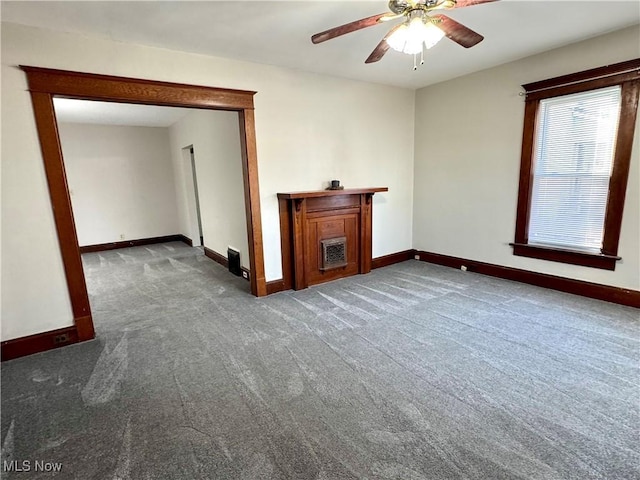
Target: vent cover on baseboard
x,y
334,253
234,261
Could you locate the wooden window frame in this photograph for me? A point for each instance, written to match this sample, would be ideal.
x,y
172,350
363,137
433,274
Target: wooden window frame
x,y
45,84
627,75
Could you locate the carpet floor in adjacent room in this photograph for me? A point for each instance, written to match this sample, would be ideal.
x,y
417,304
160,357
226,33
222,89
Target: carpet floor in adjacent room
x,y
414,371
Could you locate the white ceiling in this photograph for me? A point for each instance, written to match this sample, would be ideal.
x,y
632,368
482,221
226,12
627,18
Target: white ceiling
x,y
108,113
278,33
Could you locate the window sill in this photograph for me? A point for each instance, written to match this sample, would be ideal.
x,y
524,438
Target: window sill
x,y
605,262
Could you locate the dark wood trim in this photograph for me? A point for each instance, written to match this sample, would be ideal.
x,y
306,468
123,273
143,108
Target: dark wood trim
x,y
573,257
40,342
622,68
392,259
184,239
286,248
583,86
61,205
276,286
366,244
329,193
224,261
526,172
625,74
84,328
622,296
45,84
216,257
621,165
101,247
253,216
298,242
91,86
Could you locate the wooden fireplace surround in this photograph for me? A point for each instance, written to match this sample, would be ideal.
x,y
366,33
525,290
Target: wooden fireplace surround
x,y
308,218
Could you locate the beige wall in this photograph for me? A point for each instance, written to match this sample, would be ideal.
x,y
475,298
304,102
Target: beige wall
x,y
467,163
121,182
310,129
215,136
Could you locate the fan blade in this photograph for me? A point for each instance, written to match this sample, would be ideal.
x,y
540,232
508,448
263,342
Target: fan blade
x,y
391,16
382,47
347,28
457,32
471,3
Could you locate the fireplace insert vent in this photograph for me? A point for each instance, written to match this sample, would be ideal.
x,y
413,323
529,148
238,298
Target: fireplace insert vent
x,y
334,253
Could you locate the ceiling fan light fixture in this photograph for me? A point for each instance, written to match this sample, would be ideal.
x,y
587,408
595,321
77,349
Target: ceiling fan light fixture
x,y
432,35
411,36
398,39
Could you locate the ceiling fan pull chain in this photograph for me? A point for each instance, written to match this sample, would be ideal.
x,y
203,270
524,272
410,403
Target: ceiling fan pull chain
x,y
422,56
415,65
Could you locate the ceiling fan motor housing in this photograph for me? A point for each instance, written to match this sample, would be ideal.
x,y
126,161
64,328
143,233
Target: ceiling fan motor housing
x,y
398,6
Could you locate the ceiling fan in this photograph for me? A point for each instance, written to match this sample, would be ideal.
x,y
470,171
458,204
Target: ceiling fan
x,y
419,29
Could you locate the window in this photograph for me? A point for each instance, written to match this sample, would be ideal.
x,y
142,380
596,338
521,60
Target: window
x,y
576,152
572,159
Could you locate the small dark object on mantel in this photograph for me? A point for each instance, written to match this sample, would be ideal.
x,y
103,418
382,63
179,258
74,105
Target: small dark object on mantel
x,y
335,185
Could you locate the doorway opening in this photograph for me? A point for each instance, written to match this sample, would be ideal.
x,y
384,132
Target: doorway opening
x,y
141,201
45,84
192,158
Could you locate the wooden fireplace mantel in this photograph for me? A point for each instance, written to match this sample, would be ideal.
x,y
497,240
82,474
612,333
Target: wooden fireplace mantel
x,y
330,193
309,219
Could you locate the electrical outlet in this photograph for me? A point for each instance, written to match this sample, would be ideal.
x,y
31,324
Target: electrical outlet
x,y
62,338
463,268
245,275
122,236
416,257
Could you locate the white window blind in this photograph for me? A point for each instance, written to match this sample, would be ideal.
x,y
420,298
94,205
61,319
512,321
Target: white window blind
x,y
573,156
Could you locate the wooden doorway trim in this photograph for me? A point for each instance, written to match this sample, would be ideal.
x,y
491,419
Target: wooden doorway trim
x,y
45,84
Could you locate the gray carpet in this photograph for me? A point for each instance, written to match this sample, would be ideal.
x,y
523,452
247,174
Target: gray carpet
x,y
412,372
